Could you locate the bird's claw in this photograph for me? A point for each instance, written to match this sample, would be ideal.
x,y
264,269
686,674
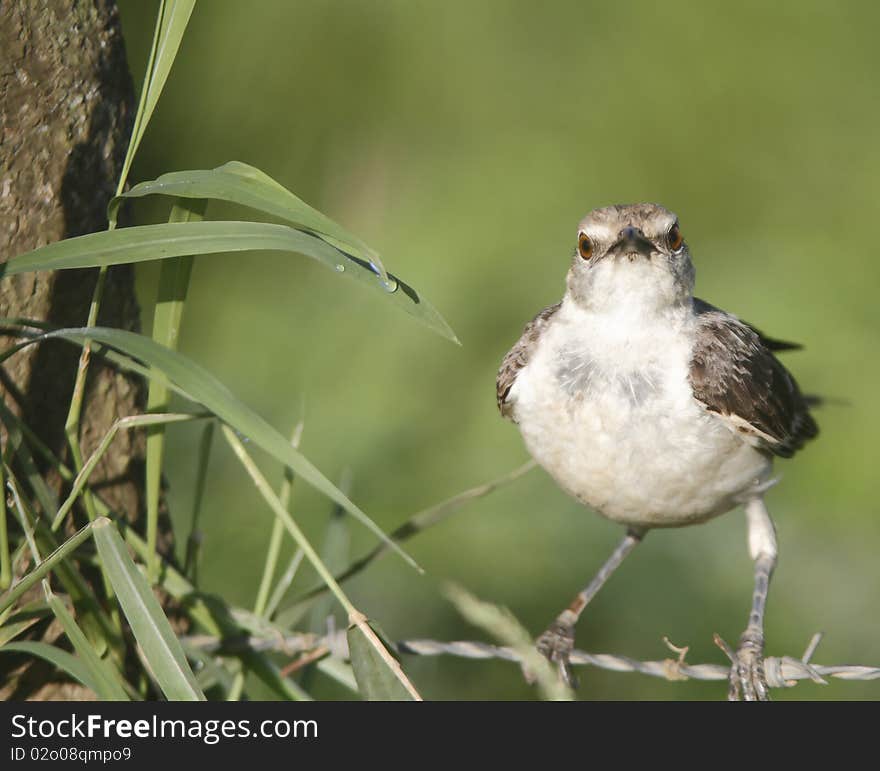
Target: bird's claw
x,y
556,645
747,679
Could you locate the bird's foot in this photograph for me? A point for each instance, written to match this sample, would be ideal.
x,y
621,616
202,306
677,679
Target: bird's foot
x,y
556,644
747,679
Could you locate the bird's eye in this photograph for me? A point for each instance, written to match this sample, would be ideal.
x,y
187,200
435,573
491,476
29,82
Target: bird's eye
x,y
585,246
674,238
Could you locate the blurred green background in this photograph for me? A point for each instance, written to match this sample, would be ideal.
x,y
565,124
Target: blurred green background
x,y
464,141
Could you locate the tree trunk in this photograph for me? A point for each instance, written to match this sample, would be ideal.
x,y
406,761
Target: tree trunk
x,y
66,108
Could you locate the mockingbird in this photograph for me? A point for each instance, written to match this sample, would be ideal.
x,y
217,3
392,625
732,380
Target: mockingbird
x,y
653,407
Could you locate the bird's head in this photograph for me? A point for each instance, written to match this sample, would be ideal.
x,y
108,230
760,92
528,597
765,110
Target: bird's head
x,y
632,256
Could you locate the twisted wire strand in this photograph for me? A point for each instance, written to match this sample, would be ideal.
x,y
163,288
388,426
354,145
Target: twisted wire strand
x,y
781,672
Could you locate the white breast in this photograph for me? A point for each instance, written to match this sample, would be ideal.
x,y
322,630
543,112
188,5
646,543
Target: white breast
x,y
605,406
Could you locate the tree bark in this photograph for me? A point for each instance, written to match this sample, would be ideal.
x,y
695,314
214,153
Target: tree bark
x,y
66,108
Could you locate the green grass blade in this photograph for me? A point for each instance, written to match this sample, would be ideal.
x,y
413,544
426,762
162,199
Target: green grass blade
x,y
275,539
123,424
106,679
40,540
15,446
502,625
208,611
161,649
217,618
174,278
97,625
5,559
378,674
201,386
284,582
93,620
14,423
173,17
12,624
236,688
334,553
152,242
245,185
60,659
194,539
23,512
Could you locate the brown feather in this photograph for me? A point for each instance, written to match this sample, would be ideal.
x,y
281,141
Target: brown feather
x,y
518,356
735,374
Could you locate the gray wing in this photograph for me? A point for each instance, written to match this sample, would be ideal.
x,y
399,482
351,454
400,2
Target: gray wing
x,y
518,356
735,374
772,344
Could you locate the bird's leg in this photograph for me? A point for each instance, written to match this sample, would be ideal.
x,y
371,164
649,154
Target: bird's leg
x,y
747,680
558,641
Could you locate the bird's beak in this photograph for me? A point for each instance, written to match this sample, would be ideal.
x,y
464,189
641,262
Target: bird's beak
x,y
631,242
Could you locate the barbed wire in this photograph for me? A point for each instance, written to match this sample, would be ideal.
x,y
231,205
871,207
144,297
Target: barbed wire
x,y
780,672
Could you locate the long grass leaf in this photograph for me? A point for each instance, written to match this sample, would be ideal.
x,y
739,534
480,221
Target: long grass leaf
x,y
215,617
194,539
97,625
275,539
174,278
42,570
284,583
379,675
334,553
92,618
106,679
173,17
154,242
15,446
13,624
59,658
123,424
161,649
502,625
5,558
245,185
